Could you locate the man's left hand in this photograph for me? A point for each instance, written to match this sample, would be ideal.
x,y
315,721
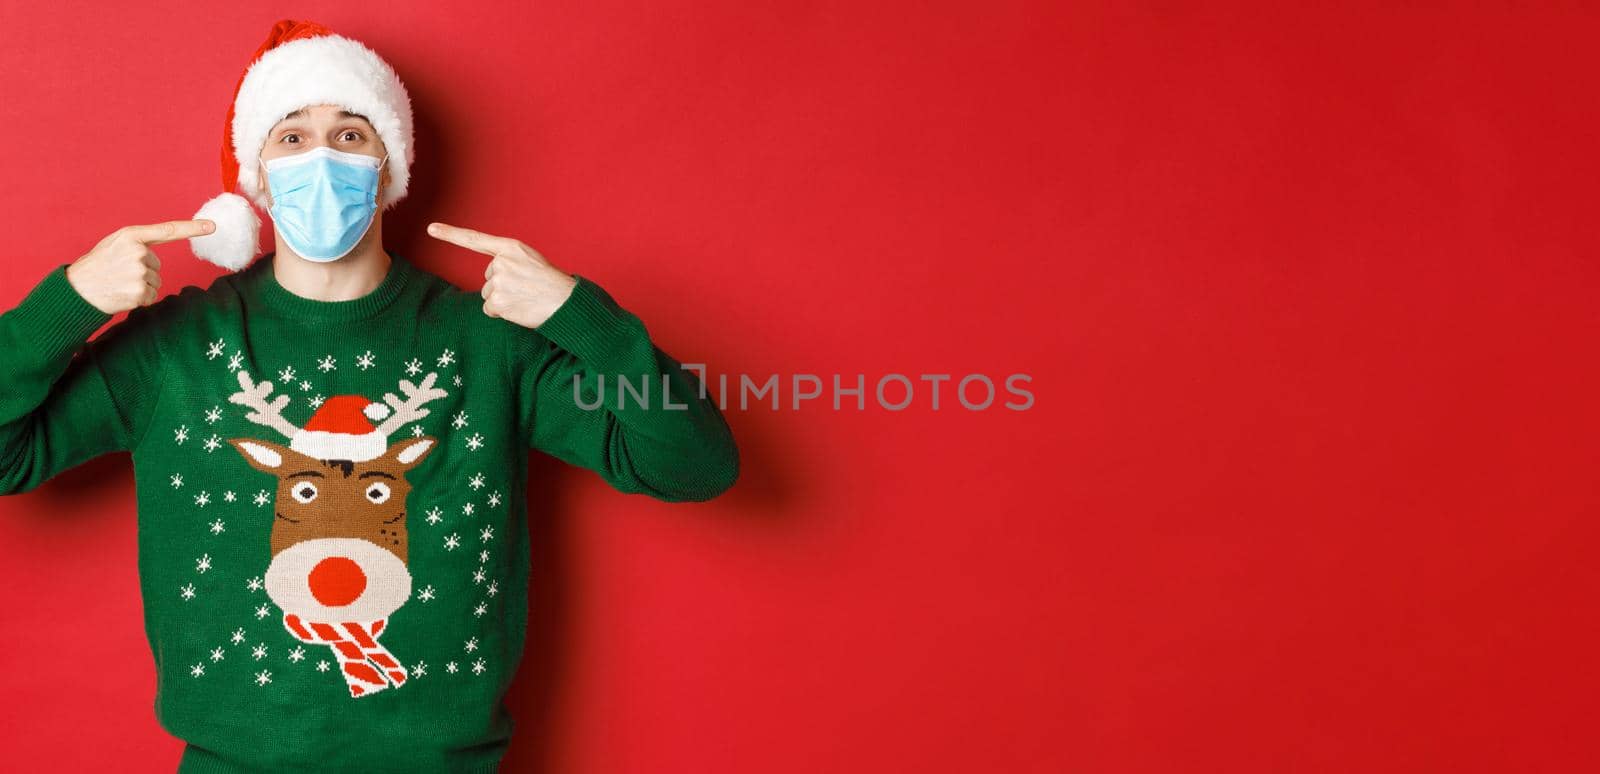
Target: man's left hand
x,y
519,284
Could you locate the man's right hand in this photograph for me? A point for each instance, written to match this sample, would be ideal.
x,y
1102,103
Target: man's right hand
x,y
122,272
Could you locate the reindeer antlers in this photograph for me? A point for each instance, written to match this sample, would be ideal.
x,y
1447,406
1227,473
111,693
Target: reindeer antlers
x,y
410,409
254,396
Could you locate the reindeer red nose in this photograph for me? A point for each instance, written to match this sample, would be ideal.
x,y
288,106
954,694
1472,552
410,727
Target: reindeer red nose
x,y
336,581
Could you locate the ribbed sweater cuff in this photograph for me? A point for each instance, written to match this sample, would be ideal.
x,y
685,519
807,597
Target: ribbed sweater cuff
x,y
56,318
589,324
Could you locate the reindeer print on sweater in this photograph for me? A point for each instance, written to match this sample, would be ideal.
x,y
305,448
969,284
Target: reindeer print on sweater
x,y
339,539
334,547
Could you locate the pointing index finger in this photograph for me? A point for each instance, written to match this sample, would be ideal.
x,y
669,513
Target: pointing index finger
x,y
476,241
171,231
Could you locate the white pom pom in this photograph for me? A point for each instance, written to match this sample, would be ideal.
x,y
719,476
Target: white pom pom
x,y
376,412
237,238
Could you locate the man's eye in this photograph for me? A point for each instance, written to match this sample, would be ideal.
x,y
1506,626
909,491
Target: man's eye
x,y
294,137
352,136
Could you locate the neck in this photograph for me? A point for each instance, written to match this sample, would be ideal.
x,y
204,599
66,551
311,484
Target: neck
x,y
350,277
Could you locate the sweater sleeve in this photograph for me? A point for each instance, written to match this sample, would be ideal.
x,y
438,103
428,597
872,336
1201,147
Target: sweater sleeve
x,y
675,447
56,409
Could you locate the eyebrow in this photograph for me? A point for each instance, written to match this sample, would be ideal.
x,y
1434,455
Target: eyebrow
x,y
375,473
301,113
343,114
306,473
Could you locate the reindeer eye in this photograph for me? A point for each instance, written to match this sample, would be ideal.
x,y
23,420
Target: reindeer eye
x,y
305,491
378,492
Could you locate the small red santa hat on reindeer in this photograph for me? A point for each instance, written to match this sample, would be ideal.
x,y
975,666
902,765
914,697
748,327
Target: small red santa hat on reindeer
x,y
300,64
342,429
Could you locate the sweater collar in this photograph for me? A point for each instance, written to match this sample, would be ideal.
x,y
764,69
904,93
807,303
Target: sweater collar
x,y
283,301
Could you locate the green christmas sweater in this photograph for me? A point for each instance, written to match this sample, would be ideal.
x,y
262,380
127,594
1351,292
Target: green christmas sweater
x,y
333,548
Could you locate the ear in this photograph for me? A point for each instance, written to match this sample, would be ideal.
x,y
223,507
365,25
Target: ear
x,y
384,179
411,451
266,456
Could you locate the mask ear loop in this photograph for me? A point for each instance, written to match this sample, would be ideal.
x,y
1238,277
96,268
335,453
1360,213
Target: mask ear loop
x,y
261,165
377,199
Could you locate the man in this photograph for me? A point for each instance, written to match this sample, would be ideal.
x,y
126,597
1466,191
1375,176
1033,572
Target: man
x,y
330,445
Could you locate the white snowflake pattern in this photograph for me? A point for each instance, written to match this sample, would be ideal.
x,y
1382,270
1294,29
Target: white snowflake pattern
x,y
493,589
197,670
483,556
254,584
459,420
181,434
263,611
202,564
468,509
177,480
213,414
413,367
494,499
259,652
419,669
323,666
470,645
187,592
297,655
478,575
287,374
238,636
478,667
263,677
327,363
480,609
261,498
217,527
316,401
216,654
235,360
305,386
416,431
214,349
476,482
474,442
488,533
451,667
446,358
229,496
433,515
365,361
213,443
456,380
453,542
426,594
203,499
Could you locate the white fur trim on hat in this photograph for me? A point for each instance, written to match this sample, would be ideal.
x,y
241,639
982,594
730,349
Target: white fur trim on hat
x,y
237,236
323,445
332,70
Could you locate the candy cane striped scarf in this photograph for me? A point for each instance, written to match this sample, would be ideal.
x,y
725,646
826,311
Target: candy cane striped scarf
x,y
367,666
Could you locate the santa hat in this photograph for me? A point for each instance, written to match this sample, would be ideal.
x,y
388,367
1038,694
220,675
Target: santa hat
x,y
300,64
342,430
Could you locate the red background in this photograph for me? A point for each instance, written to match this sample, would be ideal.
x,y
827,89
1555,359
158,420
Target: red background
x,y
1308,299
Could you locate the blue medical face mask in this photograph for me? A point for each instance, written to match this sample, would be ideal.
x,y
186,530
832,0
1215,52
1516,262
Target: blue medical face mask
x,y
323,200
